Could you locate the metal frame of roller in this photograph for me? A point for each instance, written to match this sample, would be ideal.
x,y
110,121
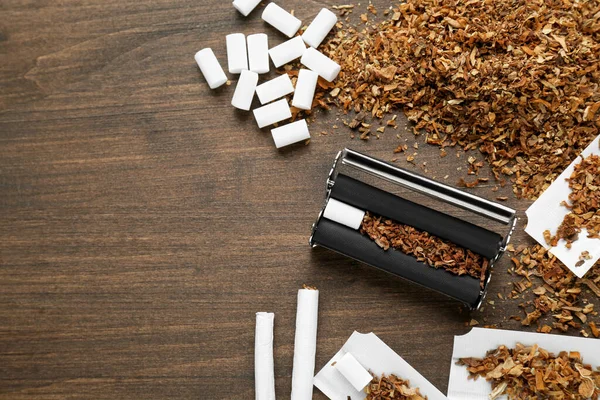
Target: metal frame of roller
x,y
352,243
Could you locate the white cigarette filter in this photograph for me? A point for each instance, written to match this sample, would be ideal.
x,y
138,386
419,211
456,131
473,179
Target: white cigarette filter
x,y
281,20
319,28
354,373
237,56
290,134
258,53
274,89
305,89
244,91
264,373
210,67
287,51
272,113
321,64
245,7
343,214
305,345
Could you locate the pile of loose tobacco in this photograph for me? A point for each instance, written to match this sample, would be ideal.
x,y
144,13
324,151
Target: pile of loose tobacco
x,y
585,203
516,79
392,388
426,248
534,373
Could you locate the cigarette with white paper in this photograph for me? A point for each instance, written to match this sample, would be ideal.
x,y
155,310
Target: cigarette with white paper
x,y
305,345
264,373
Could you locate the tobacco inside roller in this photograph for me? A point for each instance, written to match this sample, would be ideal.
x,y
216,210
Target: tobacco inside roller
x,y
426,248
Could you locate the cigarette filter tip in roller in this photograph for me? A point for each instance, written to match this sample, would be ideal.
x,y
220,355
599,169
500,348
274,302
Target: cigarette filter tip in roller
x,y
281,20
237,56
319,28
274,89
343,214
290,134
321,64
245,7
305,344
258,53
264,373
354,373
244,91
210,67
272,113
305,89
287,51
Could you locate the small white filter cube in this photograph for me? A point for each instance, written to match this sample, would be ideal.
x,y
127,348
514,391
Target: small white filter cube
x,y
258,53
344,214
244,91
319,28
274,89
305,89
245,7
210,67
281,20
290,134
237,56
287,51
354,373
272,113
321,64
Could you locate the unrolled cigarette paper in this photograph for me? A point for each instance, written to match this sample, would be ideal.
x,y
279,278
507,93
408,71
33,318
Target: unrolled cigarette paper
x,y
237,56
319,28
244,91
272,113
354,373
305,345
287,51
245,7
305,89
264,374
343,214
321,64
290,134
281,20
210,67
258,53
274,89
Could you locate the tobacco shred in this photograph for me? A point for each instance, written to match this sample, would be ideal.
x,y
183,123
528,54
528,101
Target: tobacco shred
x,y
426,248
516,79
534,373
392,388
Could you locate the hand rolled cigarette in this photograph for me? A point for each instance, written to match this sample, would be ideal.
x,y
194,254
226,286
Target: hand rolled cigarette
x,y
305,345
264,374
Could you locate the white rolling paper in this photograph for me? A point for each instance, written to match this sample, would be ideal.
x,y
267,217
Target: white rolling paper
x,y
210,67
321,64
274,89
264,373
281,20
244,91
258,53
287,51
305,345
319,28
237,56
343,213
245,7
354,373
290,134
272,113
305,89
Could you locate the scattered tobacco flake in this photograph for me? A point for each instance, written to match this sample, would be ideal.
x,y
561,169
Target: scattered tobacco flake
x,y
517,80
426,248
530,372
392,388
470,185
307,287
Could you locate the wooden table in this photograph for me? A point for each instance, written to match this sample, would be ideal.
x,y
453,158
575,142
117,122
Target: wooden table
x,y
144,221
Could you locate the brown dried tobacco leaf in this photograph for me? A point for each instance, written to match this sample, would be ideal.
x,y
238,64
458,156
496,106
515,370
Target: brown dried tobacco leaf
x,y
584,203
559,294
392,388
426,248
534,373
516,79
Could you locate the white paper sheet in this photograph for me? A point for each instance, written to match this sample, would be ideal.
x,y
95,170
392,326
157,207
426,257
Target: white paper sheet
x,y
479,341
547,214
374,355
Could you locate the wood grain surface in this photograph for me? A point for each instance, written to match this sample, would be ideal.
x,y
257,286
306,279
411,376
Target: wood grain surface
x,y
144,221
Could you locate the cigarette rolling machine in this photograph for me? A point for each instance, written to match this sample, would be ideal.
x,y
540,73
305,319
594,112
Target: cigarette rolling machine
x,y
347,200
